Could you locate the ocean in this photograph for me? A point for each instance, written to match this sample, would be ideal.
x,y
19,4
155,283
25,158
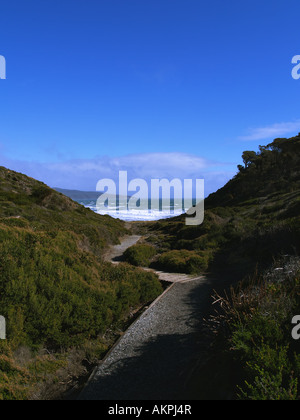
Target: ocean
x,y
143,214
159,209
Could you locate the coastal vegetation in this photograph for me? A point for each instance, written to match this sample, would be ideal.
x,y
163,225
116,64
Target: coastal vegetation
x,y
253,355
253,218
56,293
251,237
140,255
254,320
63,304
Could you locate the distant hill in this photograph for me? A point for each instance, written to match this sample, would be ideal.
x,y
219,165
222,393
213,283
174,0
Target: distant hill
x,y
79,195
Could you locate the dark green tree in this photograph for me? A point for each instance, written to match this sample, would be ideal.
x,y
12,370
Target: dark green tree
x,y
249,157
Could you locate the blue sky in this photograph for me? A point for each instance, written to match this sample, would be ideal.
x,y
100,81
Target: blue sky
x,y
176,88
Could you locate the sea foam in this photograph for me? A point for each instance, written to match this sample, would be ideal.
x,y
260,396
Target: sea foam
x,y
134,214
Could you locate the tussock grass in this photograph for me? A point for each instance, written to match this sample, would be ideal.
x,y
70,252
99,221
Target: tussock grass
x,y
253,333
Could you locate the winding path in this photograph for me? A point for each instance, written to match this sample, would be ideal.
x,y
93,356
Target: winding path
x,y
115,253
154,358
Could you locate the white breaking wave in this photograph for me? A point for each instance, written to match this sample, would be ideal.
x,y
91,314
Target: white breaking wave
x,y
135,214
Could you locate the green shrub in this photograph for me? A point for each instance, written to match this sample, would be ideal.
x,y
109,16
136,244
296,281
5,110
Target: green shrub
x,y
270,387
257,330
40,192
140,255
14,380
183,261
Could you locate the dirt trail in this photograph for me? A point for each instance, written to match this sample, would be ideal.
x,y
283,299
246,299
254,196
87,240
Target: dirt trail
x,y
115,256
115,253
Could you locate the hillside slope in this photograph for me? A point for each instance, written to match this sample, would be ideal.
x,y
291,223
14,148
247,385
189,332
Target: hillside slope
x,y
45,209
252,219
56,293
250,238
274,169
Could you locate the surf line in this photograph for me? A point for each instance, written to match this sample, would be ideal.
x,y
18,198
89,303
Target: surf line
x,y
162,194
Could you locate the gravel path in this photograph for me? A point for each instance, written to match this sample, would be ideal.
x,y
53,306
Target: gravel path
x,y
155,356
153,359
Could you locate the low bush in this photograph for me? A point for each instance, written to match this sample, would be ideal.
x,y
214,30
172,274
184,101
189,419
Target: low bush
x,y
183,261
140,255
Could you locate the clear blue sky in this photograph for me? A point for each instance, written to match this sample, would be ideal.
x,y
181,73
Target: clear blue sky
x,y
115,83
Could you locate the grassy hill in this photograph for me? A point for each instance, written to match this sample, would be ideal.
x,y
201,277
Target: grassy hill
x,y
55,291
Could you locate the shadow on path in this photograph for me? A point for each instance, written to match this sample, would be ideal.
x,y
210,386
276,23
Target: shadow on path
x,y
155,365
